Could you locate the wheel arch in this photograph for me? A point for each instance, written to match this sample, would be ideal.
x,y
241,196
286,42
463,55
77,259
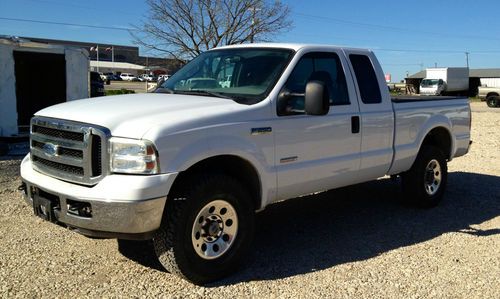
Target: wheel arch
x,y
492,94
441,138
231,165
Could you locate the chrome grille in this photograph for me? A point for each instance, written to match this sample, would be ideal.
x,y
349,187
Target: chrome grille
x,y
68,150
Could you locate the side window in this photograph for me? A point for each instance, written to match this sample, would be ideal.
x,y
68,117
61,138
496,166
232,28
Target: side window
x,y
367,79
325,67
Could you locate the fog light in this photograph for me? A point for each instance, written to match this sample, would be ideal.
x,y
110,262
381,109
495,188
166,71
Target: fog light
x,y
79,208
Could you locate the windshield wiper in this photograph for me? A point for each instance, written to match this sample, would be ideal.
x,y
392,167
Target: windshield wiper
x,y
206,92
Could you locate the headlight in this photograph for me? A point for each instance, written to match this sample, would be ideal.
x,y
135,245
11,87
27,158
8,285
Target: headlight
x,y
133,156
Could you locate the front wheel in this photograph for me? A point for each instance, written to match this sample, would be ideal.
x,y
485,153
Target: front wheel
x,y
492,101
425,182
207,229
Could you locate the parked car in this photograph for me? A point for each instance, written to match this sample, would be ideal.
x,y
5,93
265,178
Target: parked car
x,y
107,76
489,94
116,77
163,78
147,77
188,168
96,85
128,77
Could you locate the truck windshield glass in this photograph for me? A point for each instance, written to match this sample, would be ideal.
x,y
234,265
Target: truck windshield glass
x,y
430,82
245,75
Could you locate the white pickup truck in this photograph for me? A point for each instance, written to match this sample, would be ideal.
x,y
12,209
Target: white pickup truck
x,y
189,165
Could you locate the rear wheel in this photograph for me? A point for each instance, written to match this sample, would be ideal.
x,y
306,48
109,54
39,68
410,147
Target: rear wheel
x,y
207,229
425,182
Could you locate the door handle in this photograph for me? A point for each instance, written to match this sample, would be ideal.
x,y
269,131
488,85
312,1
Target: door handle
x,y
355,124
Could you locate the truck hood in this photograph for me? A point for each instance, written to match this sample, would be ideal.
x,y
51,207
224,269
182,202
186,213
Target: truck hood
x,y
133,115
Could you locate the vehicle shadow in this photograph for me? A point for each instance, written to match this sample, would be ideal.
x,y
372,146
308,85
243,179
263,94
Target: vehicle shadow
x,y
351,224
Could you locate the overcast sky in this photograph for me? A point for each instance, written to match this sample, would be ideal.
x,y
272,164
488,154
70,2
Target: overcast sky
x,y
407,36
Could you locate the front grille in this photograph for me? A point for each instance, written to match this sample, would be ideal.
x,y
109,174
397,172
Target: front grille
x,y
71,153
62,151
58,166
67,150
76,136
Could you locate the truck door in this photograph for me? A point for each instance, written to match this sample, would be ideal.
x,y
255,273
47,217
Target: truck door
x,y
377,116
317,152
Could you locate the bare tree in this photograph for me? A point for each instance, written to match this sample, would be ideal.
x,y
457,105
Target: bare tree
x,y
185,28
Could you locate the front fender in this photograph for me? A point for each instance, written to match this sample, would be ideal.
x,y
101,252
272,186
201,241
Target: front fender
x,y
180,151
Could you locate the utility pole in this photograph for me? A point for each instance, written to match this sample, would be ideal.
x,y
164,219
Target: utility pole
x,y
97,51
253,9
467,58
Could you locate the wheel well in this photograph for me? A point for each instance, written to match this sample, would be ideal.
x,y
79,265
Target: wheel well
x,y
440,138
492,94
233,166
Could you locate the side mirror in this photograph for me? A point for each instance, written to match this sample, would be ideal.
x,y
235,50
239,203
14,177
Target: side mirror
x,y
317,99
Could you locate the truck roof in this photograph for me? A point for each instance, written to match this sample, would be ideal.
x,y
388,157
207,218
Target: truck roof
x,y
293,46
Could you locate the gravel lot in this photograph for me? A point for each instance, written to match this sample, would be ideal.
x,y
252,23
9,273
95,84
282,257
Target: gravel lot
x,y
357,242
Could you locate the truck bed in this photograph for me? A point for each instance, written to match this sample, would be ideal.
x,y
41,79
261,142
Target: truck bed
x,y
415,116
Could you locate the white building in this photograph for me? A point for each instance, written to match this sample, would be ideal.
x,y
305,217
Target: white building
x,y
116,67
36,75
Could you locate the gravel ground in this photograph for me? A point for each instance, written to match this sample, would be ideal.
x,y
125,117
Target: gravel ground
x,y
357,242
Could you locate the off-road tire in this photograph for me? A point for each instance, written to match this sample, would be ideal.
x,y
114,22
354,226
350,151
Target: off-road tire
x,y
173,241
419,189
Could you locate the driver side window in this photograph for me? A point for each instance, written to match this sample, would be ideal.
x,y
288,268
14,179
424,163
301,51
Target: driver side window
x,y
325,67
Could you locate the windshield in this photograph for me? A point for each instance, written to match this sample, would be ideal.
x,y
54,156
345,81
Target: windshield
x,y
429,82
245,75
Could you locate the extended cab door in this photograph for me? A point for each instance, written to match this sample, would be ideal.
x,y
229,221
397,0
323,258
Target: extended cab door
x,y
315,153
377,115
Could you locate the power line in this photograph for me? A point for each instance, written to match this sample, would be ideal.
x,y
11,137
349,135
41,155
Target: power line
x,y
419,51
393,28
67,24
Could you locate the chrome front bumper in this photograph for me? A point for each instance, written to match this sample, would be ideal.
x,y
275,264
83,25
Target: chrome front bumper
x,y
120,206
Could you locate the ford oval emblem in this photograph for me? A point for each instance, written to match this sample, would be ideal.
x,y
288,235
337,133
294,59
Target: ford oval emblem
x,y
50,149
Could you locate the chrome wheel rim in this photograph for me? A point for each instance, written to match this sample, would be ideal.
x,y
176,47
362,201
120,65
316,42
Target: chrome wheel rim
x,y
432,177
214,229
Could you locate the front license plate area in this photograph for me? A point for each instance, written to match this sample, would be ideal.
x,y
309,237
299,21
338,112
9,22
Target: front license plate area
x,y
43,207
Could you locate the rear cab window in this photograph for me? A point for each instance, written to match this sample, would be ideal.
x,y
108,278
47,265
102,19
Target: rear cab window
x,y
367,79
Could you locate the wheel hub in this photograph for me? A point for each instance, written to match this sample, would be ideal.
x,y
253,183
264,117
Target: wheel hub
x,y
214,229
432,177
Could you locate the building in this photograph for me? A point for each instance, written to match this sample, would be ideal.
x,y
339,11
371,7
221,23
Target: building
x,y
126,59
477,77
118,67
35,76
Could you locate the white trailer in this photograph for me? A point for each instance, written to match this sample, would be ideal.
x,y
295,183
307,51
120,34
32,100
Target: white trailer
x,y
34,76
445,80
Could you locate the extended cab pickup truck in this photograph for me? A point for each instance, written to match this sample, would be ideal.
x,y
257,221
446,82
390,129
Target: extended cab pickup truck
x,y
189,165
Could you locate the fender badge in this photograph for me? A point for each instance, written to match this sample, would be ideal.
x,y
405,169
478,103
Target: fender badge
x,y
260,131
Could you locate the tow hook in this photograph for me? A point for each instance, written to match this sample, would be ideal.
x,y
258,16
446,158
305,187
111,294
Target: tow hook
x,y
22,188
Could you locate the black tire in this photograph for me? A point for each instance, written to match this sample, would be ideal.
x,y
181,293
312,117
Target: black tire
x,y
174,243
419,183
492,101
